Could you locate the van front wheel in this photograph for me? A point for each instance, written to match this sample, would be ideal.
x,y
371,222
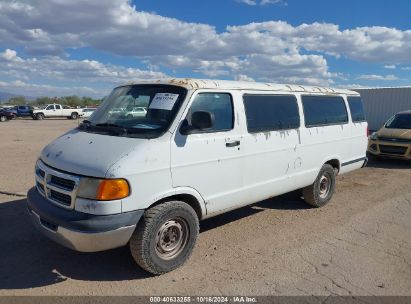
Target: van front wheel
x,y
320,193
165,237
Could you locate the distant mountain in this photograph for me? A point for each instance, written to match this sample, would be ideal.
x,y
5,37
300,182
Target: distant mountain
x,y
5,96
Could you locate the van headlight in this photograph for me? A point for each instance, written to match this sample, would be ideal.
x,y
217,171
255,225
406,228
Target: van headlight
x,y
103,189
374,136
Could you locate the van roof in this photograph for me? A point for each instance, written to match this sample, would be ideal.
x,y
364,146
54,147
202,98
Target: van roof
x,y
192,83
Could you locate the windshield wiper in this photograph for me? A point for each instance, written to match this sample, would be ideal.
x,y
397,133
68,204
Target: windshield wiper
x,y
114,127
85,124
117,129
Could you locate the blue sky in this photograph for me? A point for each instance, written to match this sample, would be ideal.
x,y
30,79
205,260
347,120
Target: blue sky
x,y
53,47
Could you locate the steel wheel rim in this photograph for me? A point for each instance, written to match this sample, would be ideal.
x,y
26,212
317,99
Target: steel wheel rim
x,y
171,238
325,185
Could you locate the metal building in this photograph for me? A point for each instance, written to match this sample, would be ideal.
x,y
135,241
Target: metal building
x,y
382,103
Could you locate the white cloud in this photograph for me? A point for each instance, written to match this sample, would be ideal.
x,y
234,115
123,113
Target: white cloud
x,y
263,2
248,2
117,27
72,70
390,66
9,55
268,51
243,77
276,2
377,77
352,86
31,89
76,72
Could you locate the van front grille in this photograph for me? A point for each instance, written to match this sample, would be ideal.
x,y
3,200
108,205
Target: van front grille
x,y
66,184
58,187
40,187
60,197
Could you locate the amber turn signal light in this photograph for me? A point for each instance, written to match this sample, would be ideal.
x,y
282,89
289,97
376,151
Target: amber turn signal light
x,y
111,189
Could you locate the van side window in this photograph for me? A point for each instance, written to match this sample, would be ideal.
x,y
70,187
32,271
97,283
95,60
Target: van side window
x,y
357,109
324,110
271,112
220,105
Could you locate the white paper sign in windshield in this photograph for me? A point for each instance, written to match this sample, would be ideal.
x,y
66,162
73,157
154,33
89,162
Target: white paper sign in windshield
x,y
163,101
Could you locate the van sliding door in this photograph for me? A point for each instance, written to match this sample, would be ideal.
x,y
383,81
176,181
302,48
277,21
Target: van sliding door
x,y
271,146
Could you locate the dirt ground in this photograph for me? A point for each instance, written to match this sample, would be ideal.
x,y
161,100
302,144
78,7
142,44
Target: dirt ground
x,y
359,244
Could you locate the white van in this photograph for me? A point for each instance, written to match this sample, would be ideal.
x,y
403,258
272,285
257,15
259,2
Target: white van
x,y
204,147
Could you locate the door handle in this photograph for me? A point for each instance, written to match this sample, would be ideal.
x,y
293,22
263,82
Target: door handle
x,y
232,143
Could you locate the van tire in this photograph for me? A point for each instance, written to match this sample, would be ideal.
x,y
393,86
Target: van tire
x,y
320,192
145,243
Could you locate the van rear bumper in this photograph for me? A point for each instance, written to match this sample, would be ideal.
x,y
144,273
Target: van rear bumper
x,y
80,231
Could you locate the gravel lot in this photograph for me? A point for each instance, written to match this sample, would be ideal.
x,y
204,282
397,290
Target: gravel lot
x,y
359,244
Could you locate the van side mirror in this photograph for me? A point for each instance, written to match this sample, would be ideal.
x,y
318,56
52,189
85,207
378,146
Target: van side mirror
x,y
200,120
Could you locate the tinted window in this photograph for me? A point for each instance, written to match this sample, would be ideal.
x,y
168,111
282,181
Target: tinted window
x,y
219,104
50,108
399,121
356,108
58,107
271,112
324,110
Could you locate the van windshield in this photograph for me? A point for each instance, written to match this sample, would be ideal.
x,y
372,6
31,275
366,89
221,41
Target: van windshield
x,y
144,111
399,121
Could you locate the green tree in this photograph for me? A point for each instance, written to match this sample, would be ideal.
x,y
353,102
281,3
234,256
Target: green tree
x,y
72,101
18,100
43,100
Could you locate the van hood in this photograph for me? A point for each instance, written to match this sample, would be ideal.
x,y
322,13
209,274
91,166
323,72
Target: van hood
x,y
88,154
395,133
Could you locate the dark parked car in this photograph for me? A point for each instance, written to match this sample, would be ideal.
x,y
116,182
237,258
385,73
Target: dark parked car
x,y
6,115
21,111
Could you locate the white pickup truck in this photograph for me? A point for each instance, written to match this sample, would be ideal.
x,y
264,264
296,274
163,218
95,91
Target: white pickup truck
x,y
56,110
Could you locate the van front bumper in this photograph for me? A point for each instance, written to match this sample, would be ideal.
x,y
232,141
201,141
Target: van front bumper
x,y
81,231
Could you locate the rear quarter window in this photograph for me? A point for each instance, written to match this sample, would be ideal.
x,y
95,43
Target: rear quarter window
x,y
324,110
356,109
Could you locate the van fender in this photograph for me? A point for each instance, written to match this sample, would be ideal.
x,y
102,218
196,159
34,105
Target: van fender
x,y
312,174
180,191
331,157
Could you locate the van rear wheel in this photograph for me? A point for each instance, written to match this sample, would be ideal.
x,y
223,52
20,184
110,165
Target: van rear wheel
x,y
165,237
320,192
